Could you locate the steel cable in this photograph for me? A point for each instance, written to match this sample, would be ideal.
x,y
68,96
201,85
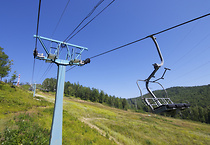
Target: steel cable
x,y
151,35
37,30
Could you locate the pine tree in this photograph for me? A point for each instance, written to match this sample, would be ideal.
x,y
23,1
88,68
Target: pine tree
x,y
5,64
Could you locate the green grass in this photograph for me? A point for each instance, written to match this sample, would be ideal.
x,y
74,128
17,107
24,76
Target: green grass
x,y
37,115
92,123
14,99
139,128
22,129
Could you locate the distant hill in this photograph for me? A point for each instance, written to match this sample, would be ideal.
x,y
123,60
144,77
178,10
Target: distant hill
x,y
197,96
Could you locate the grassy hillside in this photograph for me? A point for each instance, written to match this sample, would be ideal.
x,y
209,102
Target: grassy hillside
x,y
91,123
27,120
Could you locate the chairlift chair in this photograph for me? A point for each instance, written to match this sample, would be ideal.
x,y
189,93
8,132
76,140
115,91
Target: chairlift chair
x,y
160,105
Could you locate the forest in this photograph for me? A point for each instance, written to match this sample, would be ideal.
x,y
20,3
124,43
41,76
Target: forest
x,y
198,97
86,93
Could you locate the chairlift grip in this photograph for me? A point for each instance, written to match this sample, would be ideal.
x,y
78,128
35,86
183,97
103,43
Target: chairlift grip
x,y
158,49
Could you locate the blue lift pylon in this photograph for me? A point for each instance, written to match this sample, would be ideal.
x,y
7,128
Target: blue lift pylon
x,y
34,89
73,57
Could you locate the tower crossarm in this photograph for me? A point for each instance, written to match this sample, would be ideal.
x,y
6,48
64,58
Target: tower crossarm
x,y
73,56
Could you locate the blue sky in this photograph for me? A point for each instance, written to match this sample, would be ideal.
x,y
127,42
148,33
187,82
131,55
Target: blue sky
x,y
185,49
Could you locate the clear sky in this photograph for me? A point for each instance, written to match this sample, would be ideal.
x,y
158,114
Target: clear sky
x,y
185,49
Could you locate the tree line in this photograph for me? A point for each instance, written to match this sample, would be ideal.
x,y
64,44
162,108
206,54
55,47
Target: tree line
x,y
198,97
86,93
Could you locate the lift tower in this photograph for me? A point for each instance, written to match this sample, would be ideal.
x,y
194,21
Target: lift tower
x,y
73,57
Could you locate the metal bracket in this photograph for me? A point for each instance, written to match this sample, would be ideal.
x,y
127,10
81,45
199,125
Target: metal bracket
x,y
73,56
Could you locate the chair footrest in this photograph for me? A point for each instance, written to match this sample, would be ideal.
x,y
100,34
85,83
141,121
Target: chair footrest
x,y
169,107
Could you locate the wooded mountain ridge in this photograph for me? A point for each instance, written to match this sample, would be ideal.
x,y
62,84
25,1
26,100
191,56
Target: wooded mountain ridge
x,y
197,96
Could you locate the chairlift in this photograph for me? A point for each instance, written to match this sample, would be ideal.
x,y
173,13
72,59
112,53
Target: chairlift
x,y
163,104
